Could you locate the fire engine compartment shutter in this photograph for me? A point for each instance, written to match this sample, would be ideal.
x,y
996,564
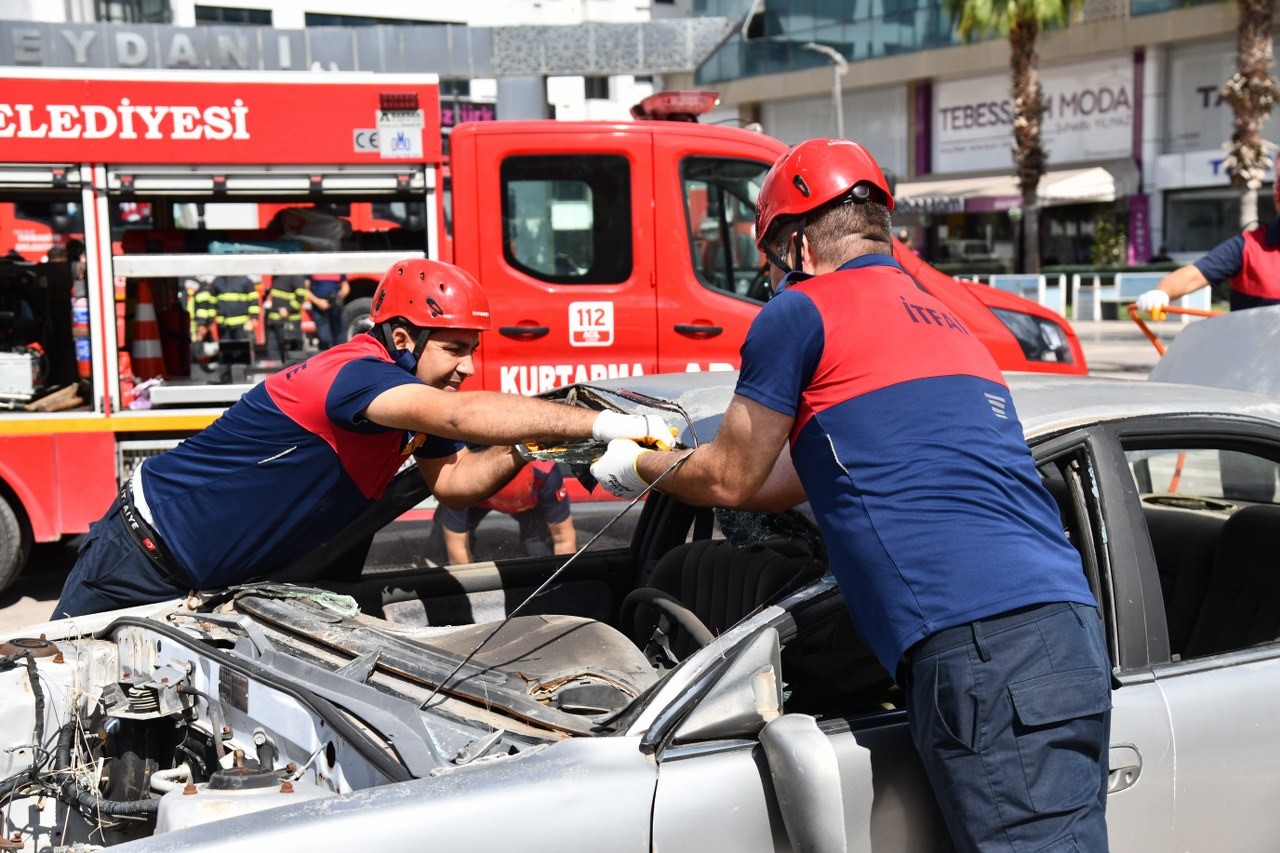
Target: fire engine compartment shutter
x,y
39,176
266,181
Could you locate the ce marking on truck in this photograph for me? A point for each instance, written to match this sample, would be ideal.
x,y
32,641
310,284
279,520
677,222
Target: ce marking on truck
x,y
365,140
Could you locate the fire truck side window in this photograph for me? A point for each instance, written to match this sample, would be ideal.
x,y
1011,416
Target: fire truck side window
x,y
567,218
719,202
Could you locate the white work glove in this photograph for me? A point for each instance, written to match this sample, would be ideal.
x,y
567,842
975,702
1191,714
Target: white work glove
x,y
616,470
644,429
1153,302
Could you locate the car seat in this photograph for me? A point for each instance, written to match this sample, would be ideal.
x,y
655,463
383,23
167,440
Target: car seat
x,y
716,583
1242,605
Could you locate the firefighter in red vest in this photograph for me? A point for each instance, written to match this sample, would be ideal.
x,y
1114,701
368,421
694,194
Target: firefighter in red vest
x,y
1251,261
309,449
536,500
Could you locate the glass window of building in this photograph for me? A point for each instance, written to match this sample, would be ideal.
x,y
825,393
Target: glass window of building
x,y
133,11
1198,220
319,19
777,32
596,88
223,15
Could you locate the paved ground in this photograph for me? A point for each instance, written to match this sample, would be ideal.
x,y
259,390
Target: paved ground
x,y
1119,349
1112,348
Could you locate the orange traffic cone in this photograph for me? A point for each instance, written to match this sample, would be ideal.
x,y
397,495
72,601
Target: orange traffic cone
x,y
127,381
148,358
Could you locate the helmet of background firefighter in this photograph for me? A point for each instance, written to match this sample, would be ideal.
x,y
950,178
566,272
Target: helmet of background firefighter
x,y
431,295
811,175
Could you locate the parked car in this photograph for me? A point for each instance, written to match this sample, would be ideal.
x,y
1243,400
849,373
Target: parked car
x,y
1019,333
646,697
965,251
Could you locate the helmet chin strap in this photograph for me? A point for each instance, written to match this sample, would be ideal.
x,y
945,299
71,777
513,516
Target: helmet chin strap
x,y
407,359
857,194
775,260
797,258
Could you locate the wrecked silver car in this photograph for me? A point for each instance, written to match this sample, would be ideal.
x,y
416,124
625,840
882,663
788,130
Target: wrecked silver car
x,y
700,689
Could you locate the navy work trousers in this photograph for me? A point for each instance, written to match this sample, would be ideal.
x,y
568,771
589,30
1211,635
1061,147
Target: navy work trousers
x,y
1012,718
111,572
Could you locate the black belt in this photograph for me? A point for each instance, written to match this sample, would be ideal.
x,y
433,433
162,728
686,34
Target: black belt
x,y
149,540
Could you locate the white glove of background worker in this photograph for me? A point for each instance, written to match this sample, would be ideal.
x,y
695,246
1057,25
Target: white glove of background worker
x,y
616,470
644,429
1153,301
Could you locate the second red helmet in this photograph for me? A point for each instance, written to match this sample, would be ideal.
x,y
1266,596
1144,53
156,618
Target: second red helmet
x,y
431,294
812,174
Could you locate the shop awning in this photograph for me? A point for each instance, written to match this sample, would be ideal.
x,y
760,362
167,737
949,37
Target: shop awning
x,y
1099,183
1102,183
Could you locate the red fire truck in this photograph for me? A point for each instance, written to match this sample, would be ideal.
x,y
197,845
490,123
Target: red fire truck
x,y
607,249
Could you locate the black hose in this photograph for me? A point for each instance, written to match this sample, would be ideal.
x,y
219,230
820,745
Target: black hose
x,y
215,716
76,793
37,696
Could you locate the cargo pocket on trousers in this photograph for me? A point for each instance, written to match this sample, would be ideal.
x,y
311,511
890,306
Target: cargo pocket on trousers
x,y
1061,732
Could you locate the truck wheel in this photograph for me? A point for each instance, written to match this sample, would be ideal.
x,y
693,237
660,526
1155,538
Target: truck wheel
x,y
358,320
15,545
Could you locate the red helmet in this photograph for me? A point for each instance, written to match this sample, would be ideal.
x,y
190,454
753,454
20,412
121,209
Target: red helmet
x,y
812,174
431,294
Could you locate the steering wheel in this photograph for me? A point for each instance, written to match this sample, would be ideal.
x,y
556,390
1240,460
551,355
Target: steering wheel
x,y
669,605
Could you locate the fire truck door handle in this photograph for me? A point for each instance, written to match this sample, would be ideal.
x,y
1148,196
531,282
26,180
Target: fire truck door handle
x,y
695,330
523,333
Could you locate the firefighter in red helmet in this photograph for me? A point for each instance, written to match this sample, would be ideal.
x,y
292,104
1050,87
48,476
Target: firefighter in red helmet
x,y
1249,261
303,453
900,432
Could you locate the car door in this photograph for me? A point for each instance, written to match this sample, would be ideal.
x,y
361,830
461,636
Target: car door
x,y
709,273
722,797
721,789
1207,491
1085,473
721,793
564,232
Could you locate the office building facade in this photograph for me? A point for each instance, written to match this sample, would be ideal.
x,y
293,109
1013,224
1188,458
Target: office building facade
x,y
1135,128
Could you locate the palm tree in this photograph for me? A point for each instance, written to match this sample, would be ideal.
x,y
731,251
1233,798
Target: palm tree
x,y
1251,91
1021,21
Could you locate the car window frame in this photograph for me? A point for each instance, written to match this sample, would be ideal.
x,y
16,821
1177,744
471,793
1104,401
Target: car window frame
x,y
1085,457
1176,429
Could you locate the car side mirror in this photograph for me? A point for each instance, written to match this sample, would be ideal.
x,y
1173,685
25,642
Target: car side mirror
x,y
746,695
806,781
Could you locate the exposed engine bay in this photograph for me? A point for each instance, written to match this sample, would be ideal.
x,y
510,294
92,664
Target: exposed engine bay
x,y
159,724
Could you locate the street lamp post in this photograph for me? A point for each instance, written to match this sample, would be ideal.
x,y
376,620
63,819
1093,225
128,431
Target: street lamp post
x,y
839,67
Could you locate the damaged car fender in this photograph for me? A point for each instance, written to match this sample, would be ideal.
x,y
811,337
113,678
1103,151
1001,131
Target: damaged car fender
x,y
572,795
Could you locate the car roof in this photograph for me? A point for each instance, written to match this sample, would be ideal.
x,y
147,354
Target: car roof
x,y
1212,368
1049,404
1045,403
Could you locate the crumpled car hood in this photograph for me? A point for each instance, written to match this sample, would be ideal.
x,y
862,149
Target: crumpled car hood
x,y
1229,351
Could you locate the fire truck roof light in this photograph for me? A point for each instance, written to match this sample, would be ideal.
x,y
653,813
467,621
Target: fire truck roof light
x,y
676,106
395,102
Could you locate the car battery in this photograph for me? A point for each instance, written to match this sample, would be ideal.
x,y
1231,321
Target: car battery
x,y
20,375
